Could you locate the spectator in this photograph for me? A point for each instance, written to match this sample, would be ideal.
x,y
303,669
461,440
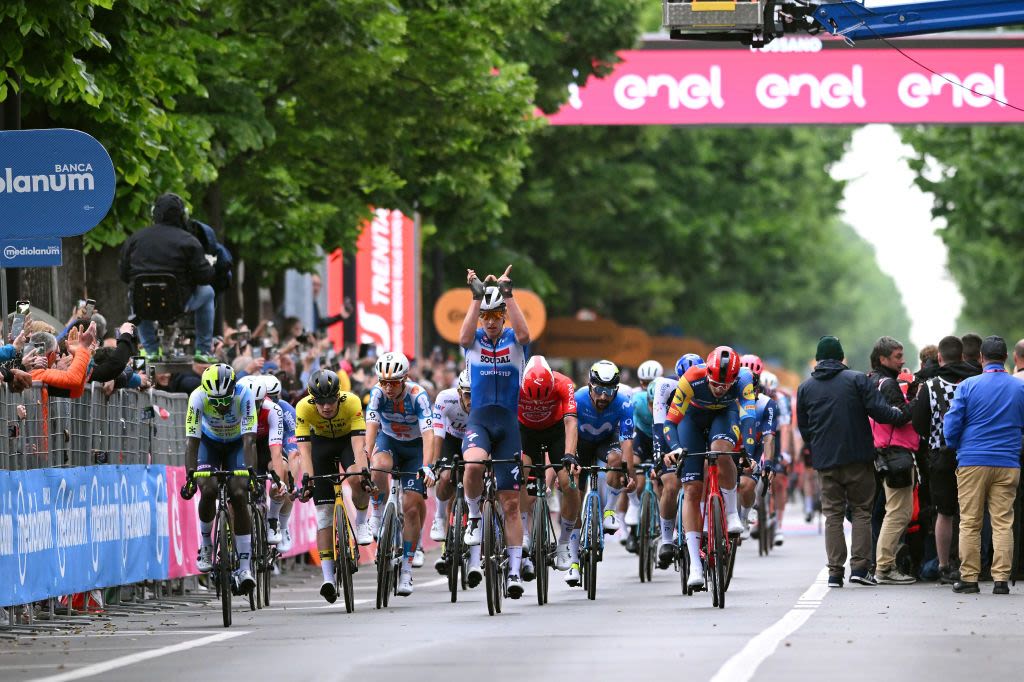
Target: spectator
x,y
972,350
1018,360
167,247
928,411
984,425
886,363
929,359
69,382
16,379
321,323
110,364
832,415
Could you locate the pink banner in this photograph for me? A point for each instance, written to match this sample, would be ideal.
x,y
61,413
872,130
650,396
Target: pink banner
x,y
855,85
182,526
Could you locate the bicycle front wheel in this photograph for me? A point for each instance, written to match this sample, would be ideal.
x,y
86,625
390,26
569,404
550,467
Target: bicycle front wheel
x,y
717,553
645,535
385,556
343,559
764,535
541,547
453,547
492,574
593,556
225,553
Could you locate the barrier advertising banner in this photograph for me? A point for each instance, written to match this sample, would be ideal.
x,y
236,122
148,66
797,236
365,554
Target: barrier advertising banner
x,y
387,279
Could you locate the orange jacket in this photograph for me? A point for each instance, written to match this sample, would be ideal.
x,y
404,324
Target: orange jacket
x,y
72,379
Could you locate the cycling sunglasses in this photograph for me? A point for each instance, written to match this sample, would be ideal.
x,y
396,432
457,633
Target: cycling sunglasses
x,y
391,383
717,384
605,390
491,316
221,402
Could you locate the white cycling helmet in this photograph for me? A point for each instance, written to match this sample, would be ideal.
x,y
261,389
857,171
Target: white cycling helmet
x,y
392,366
649,371
769,382
493,299
604,373
273,385
464,380
256,387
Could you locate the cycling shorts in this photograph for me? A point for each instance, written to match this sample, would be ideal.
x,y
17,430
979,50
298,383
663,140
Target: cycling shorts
x,y
643,447
590,452
328,453
407,457
496,430
263,456
700,428
537,441
220,455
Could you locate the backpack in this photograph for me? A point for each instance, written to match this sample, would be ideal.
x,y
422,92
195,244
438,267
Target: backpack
x,y
223,269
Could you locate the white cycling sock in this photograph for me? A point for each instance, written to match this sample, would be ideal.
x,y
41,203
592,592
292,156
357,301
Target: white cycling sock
x,y
283,522
730,500
566,529
634,499
360,516
612,498
574,546
668,527
243,544
440,510
206,530
474,506
274,510
693,545
474,555
526,530
745,513
327,568
515,557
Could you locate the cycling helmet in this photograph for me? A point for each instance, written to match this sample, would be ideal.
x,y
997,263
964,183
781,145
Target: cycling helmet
x,y
392,367
539,380
753,363
323,386
604,373
493,300
464,380
686,362
273,385
649,371
650,391
723,365
218,381
256,387
769,382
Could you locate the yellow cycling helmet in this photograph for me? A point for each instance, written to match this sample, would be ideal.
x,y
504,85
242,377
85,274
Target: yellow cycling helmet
x,y
218,381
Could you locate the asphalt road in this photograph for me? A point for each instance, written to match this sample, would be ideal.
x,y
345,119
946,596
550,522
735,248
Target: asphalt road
x,y
780,623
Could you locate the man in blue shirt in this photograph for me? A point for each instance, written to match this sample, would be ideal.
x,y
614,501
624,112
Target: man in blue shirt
x,y
984,425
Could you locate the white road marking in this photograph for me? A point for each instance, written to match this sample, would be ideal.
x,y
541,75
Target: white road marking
x,y
742,666
131,659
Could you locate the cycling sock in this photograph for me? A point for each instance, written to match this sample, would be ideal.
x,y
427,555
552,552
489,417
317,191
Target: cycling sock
x,y
274,510
474,555
566,529
408,551
360,516
808,504
634,499
730,500
243,544
574,546
693,545
474,506
526,530
668,527
744,513
283,522
376,501
440,510
612,498
515,557
327,564
206,530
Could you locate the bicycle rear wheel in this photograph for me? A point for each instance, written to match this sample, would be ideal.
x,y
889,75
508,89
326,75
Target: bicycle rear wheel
x,y
764,534
453,547
491,560
594,554
258,556
716,552
645,535
385,554
224,565
343,556
541,547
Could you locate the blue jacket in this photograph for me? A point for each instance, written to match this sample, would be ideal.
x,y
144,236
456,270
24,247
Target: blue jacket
x,y
986,419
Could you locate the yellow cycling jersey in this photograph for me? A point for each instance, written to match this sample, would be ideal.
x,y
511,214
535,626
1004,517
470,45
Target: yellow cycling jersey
x,y
348,421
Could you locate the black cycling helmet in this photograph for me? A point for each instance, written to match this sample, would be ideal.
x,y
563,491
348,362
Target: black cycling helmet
x,y
323,386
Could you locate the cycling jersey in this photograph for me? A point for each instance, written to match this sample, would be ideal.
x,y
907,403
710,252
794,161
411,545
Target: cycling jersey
x,y
643,418
288,410
495,369
202,419
449,417
693,392
406,418
596,426
546,412
767,422
785,409
347,422
270,423
664,389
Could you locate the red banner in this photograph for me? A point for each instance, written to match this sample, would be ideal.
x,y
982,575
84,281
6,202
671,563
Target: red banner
x,y
387,278
855,85
336,296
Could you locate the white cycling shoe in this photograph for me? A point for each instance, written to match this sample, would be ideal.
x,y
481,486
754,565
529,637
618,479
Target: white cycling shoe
x,y
373,524
404,584
204,561
572,576
273,535
417,558
365,533
437,530
474,533
562,559
632,514
696,579
245,581
735,525
611,524
286,541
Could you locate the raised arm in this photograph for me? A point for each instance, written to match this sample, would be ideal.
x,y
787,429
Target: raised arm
x,y
469,324
515,314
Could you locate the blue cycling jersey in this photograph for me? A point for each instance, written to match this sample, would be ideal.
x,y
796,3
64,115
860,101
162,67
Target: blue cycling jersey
x,y
290,444
643,418
405,419
596,426
767,422
495,370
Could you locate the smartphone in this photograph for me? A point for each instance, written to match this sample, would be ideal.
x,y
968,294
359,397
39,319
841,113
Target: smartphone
x,y
40,347
139,364
90,308
21,309
81,304
257,352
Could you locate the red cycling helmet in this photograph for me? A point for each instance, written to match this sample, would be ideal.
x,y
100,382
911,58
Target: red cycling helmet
x,y
723,365
539,380
753,363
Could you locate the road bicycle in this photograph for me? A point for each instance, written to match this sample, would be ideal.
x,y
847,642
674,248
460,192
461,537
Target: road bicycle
x,y
592,533
717,546
765,504
647,531
542,533
389,539
263,554
493,557
456,552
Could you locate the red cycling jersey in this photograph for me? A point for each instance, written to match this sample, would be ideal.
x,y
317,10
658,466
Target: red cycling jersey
x,y
545,413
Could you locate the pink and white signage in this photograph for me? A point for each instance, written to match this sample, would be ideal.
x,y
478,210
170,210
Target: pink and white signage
x,y
855,85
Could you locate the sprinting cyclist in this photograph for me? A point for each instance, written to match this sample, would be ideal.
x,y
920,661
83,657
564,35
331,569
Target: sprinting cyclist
x,y
668,505
220,435
713,408
269,441
774,458
643,444
398,423
451,414
280,509
605,435
547,423
330,429
495,356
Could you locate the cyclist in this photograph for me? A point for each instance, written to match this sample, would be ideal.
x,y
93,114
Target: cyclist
x,y
713,407
451,413
220,435
495,356
269,441
765,429
668,505
643,443
398,424
329,429
605,434
547,423
280,510
774,458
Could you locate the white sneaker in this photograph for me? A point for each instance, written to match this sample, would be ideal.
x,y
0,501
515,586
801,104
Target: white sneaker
x,y
204,562
572,576
417,558
373,525
611,524
245,581
474,533
404,584
364,533
562,560
632,514
735,525
437,530
273,535
286,541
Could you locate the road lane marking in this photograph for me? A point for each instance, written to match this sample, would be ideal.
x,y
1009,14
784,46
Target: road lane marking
x,y
131,659
742,666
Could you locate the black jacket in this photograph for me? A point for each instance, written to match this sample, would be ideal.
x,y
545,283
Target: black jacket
x,y
890,390
112,366
166,247
921,408
832,410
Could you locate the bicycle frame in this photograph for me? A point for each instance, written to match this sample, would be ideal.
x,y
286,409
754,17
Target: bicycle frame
x,y
225,559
